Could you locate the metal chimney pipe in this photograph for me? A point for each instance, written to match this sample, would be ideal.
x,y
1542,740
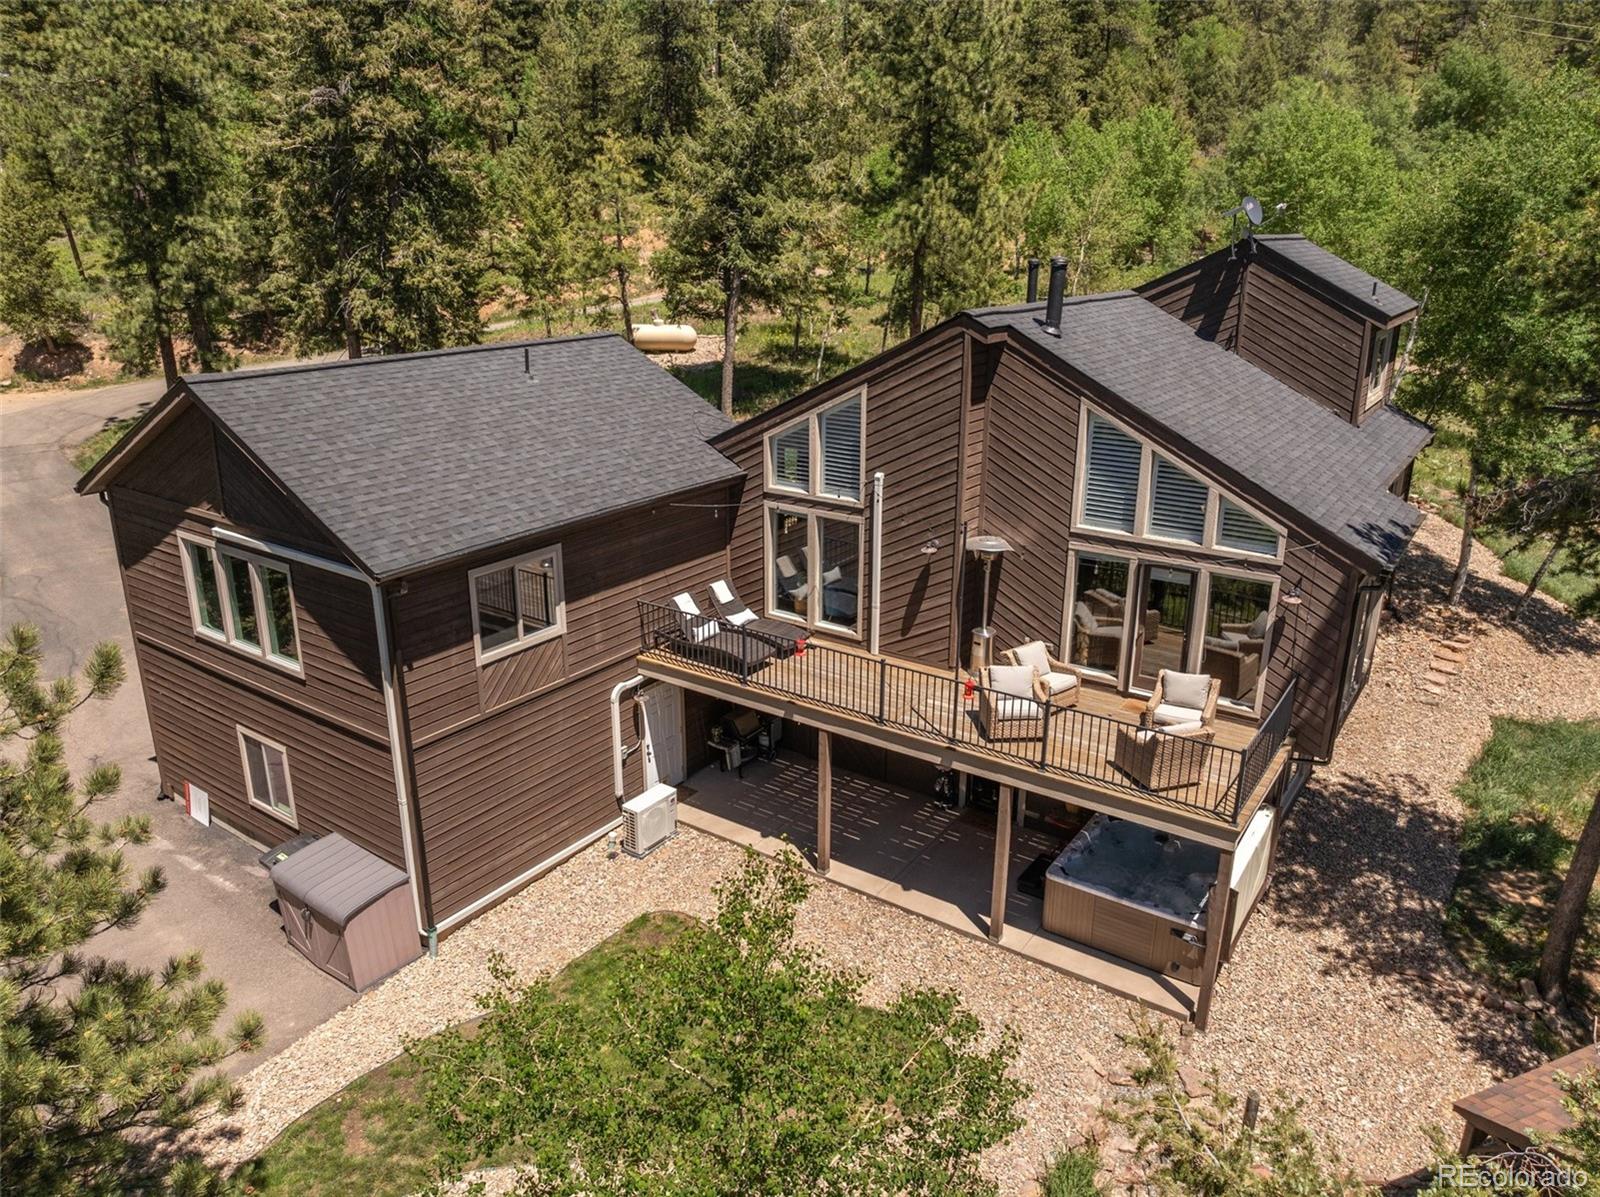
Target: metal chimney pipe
x,y
1033,280
1058,290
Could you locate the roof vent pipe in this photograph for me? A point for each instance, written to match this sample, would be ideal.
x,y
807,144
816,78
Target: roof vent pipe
x,y
1033,280
1058,289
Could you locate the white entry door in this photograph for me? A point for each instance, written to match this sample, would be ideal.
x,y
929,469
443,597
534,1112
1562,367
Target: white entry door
x,y
663,735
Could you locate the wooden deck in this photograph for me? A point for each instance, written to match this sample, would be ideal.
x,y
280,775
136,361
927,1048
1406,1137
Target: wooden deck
x,y
928,714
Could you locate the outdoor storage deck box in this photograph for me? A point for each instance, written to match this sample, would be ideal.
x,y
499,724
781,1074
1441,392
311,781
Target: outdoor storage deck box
x,y
347,911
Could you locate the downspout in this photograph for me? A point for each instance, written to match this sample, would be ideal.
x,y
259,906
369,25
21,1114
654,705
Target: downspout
x,y
391,706
617,754
877,559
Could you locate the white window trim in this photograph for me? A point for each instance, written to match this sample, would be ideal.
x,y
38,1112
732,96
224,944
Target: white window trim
x,y
813,420
245,733
813,567
553,632
1141,534
1123,678
229,636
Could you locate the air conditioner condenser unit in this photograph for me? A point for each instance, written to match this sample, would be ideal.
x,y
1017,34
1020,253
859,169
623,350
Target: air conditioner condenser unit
x,y
649,820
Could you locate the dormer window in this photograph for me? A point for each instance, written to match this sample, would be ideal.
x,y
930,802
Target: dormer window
x,y
820,455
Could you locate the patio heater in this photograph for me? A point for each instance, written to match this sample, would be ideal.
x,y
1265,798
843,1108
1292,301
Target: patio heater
x,y
987,549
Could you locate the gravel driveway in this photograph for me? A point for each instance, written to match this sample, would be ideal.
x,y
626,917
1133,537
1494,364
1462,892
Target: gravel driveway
x,y
1311,1003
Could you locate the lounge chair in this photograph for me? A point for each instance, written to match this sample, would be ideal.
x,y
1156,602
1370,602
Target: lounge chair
x,y
1163,758
1248,636
792,582
1062,682
734,612
1180,698
1235,666
704,639
1011,703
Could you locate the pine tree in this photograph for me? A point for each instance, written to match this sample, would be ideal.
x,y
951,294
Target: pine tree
x,y
149,85
374,155
945,97
102,1062
731,186
36,301
676,46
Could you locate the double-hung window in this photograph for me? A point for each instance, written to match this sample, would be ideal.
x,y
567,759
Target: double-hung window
x,y
242,600
266,775
517,603
822,453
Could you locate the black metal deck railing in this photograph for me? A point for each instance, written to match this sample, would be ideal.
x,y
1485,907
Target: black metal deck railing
x,y
957,710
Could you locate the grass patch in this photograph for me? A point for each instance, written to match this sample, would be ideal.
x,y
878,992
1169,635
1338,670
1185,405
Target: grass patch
x,y
88,454
1439,479
1071,1174
374,1138
1527,796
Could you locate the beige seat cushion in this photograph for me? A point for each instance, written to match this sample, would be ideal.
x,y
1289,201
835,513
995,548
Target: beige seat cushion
x,y
1168,714
1185,689
1034,655
1015,680
1059,683
1009,706
1084,616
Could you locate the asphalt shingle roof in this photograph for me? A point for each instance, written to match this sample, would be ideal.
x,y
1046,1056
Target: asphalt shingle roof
x,y
1334,474
1370,295
416,459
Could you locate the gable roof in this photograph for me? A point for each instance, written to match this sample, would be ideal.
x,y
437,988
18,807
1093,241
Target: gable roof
x,y
416,459
1333,474
1368,294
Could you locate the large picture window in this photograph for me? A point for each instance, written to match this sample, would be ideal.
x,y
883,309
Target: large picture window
x,y
821,454
517,603
241,600
814,569
266,775
1128,489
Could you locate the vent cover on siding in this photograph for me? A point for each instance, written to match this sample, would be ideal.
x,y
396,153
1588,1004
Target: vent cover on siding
x,y
791,456
1238,529
1177,504
1111,485
841,450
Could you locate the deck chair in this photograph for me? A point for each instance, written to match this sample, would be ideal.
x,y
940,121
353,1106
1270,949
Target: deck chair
x,y
733,611
1180,698
704,639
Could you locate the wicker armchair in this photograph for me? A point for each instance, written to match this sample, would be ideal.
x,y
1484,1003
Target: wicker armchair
x,y
1163,759
1011,703
1235,666
1062,682
1182,698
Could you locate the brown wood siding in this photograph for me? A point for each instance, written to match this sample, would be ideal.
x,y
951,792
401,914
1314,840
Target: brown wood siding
x,y
341,681
1032,452
1302,340
516,787
253,502
513,761
341,781
607,566
914,417
1313,644
178,464
985,360
1205,295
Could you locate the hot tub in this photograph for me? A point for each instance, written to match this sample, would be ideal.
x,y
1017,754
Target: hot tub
x,y
1135,893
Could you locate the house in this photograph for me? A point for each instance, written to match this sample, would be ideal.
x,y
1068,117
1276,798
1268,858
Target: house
x,y
434,602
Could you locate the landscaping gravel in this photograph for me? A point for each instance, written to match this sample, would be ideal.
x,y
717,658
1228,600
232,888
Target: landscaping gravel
x,y
1322,1000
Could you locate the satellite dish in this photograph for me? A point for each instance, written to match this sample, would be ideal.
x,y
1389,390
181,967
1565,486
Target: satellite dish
x,y
1252,208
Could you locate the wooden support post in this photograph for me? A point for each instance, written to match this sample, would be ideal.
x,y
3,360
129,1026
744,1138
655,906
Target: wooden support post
x,y
1219,913
1002,864
824,800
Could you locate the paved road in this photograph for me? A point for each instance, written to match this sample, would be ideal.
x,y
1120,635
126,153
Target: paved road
x,y
58,570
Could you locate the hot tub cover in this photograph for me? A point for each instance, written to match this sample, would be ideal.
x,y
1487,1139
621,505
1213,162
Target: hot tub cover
x,y
335,878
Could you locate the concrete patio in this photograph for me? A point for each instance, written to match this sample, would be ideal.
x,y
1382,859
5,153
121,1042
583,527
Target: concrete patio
x,y
913,852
